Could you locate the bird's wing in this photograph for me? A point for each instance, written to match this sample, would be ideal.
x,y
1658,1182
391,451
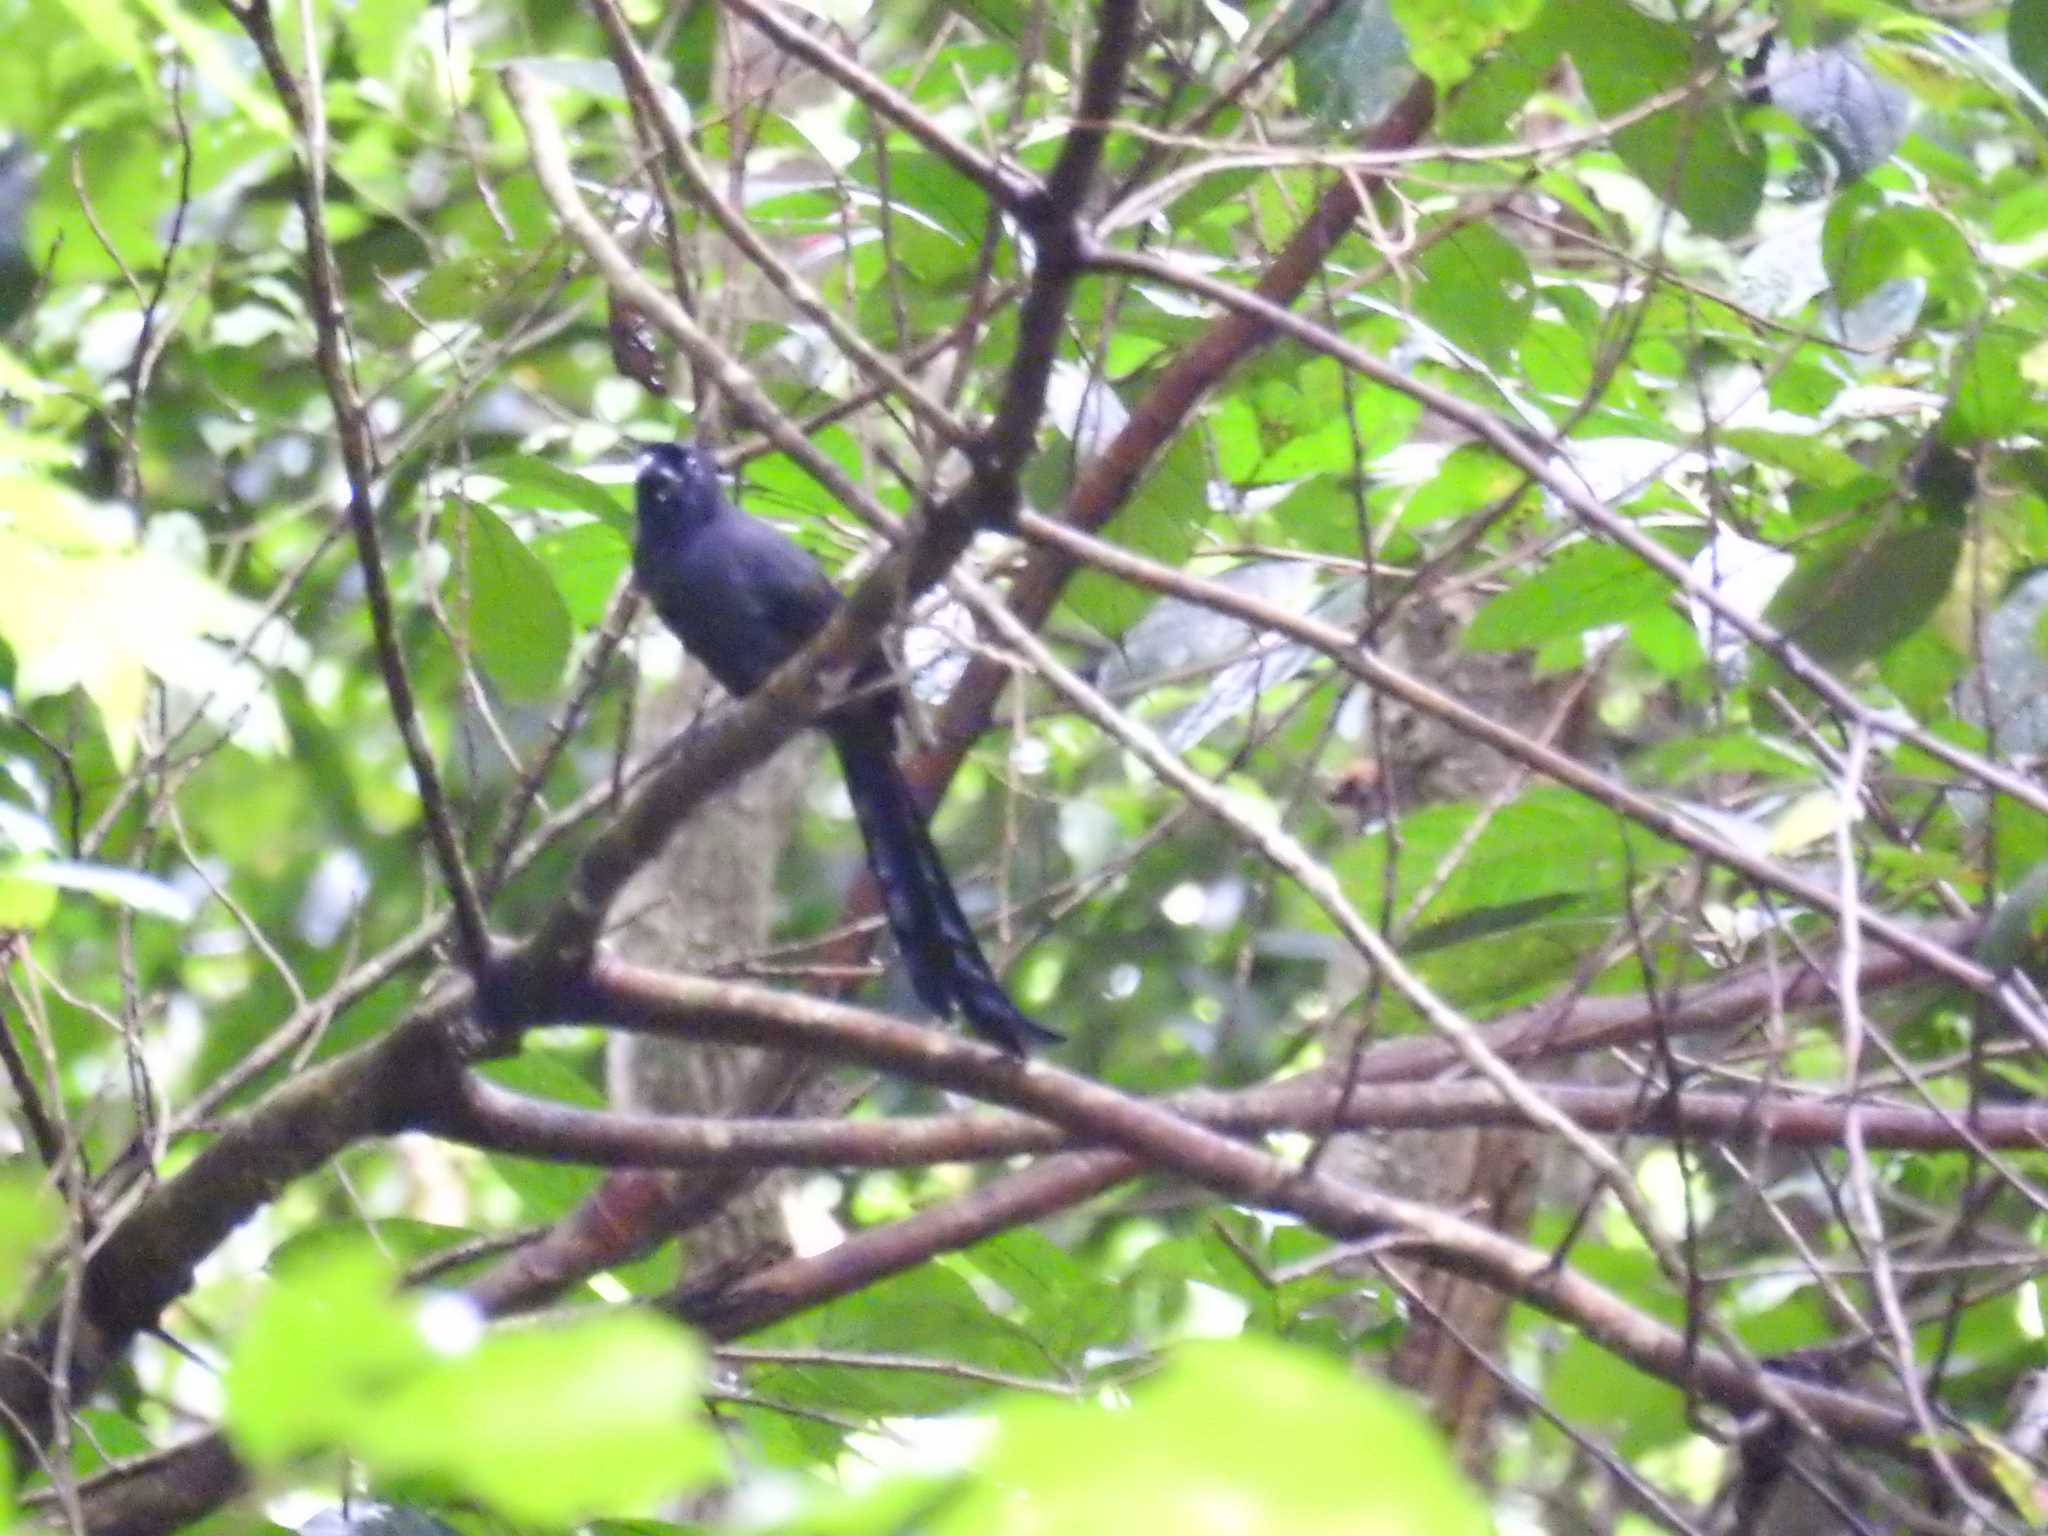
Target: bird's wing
x,y
792,588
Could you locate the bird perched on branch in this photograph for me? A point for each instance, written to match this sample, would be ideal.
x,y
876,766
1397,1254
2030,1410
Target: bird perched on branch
x,y
743,599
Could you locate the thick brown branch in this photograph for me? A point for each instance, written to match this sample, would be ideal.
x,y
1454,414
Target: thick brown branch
x,y
500,1121
1154,1138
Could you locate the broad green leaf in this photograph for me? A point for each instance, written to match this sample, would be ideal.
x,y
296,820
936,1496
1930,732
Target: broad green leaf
x,y
1556,360
547,1190
2013,936
553,1424
1991,395
111,24
1862,595
209,55
1162,520
1585,585
1351,65
1868,243
932,191
1474,287
324,1347
1246,1438
1483,106
25,904
1471,476
25,448
1923,668
491,273
1445,40
1809,457
31,1215
2026,38
531,481
1543,843
1692,153
1481,922
928,1313
547,1424
1010,20
586,562
1380,419
504,604
1067,1308
380,30
39,508
695,54
80,612
1809,818
18,380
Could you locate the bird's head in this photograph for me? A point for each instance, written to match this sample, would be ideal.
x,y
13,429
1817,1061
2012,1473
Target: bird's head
x,y
676,492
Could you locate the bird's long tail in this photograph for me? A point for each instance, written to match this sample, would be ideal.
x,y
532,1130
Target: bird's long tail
x,y
947,969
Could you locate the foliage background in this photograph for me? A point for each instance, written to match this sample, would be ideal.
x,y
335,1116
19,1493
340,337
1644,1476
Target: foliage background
x,y
1541,762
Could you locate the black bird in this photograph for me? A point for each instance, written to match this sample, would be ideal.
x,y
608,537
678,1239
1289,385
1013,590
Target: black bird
x,y
743,599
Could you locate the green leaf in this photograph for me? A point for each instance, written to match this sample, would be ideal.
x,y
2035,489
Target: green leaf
x,y
25,904
931,1313
586,562
1067,1308
379,30
1249,1437
1471,476
1868,242
1860,596
553,1424
548,1424
505,604
491,273
1162,521
2026,36
1476,290
1480,112
1350,66
1380,419
31,1214
1481,922
531,481
1691,153
19,381
931,189
1922,669
323,1348
78,613
1992,397
695,55
209,55
547,1190
2013,936
1585,585
1811,458
1547,841
1444,40
112,25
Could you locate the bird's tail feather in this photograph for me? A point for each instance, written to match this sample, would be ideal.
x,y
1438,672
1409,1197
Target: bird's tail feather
x,y
947,968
